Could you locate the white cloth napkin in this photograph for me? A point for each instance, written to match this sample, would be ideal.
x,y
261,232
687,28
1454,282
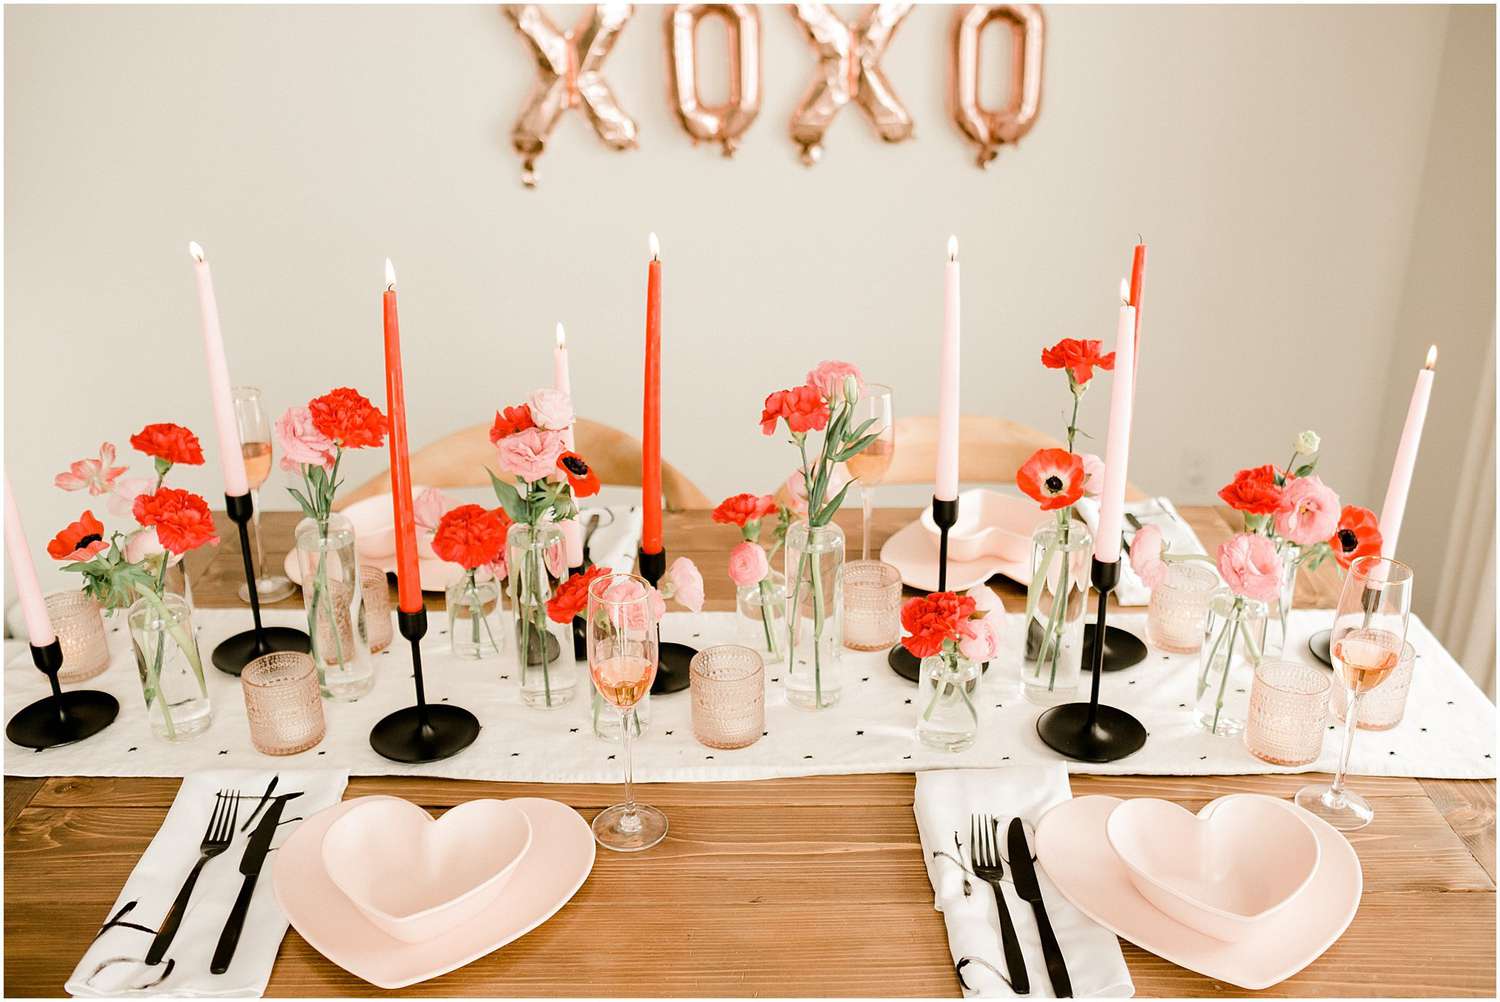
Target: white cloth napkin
x,y
1177,537
156,879
618,537
945,801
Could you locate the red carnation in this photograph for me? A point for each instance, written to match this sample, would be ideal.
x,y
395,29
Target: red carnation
x,y
170,443
348,418
1053,478
1078,357
471,535
743,508
581,476
181,518
931,620
803,407
81,540
1358,535
508,421
572,595
1254,492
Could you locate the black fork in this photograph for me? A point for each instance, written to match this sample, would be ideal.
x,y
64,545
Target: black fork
x,y
220,833
984,859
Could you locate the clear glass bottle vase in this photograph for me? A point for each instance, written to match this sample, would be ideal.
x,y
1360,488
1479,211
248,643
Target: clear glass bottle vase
x,y
333,597
947,694
1234,641
760,620
814,615
1056,601
536,559
171,668
1279,612
474,629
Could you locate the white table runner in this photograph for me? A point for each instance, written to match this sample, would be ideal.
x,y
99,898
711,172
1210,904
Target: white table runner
x,y
1449,730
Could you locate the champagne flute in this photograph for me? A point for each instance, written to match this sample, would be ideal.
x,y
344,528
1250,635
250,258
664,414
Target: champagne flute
x,y
1369,632
255,443
870,465
622,648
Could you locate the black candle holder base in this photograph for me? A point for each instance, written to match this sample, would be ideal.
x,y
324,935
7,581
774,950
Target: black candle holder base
x,y
906,664
1121,649
404,737
231,656
673,668
1320,646
1113,734
85,712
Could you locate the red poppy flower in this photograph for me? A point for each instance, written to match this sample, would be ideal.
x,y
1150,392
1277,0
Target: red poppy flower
x,y
82,540
1053,478
932,619
181,518
1358,535
1254,492
1078,357
508,421
348,418
171,443
572,596
743,508
581,476
471,535
803,407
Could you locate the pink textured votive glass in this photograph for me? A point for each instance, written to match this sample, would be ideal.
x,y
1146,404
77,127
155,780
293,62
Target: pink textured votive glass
x,y
729,696
1382,707
872,605
79,626
1288,713
283,703
1179,607
377,598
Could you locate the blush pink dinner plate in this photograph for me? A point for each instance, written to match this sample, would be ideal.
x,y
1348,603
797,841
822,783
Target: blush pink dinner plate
x,y
1072,848
915,554
559,859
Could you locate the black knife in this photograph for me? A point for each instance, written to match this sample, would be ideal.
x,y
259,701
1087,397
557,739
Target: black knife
x,y
1023,872
250,865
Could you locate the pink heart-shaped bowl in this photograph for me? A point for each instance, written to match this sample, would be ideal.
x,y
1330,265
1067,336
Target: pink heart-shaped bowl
x,y
990,524
417,878
1224,872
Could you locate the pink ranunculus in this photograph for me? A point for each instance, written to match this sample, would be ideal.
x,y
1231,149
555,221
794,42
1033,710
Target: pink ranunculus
x,y
829,377
1093,474
748,564
531,454
122,498
796,489
1145,556
301,443
979,640
1309,511
685,584
552,410
143,544
98,476
1250,566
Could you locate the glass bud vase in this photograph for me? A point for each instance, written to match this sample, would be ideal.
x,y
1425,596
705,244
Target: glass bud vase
x,y
1234,639
1056,601
474,628
166,652
815,634
605,719
544,649
760,621
946,715
1279,612
334,599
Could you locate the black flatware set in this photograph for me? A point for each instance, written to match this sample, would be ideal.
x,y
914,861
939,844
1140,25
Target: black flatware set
x,y
988,863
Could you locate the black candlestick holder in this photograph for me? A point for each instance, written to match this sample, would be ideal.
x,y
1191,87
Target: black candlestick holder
x,y
1089,732
63,717
231,656
674,660
426,732
945,513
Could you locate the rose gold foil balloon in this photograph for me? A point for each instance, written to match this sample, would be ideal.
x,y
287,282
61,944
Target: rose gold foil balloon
x,y
568,67
848,69
724,123
993,129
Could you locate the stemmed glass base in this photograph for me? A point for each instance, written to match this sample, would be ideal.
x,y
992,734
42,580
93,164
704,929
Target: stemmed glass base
x,y
1345,810
271,589
630,828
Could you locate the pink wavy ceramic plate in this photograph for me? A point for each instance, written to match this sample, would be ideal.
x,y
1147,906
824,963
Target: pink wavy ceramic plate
x,y
914,553
560,858
1072,848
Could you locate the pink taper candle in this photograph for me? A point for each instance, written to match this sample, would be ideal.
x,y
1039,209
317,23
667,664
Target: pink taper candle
x,y
231,456
33,607
1394,508
945,487
562,380
1117,453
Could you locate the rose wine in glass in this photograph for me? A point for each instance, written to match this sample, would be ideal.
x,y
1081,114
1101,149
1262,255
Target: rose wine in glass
x,y
1369,632
255,444
869,465
622,650
257,462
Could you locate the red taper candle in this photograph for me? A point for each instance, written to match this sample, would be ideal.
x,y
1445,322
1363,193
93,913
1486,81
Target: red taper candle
x,y
651,430
408,579
1137,276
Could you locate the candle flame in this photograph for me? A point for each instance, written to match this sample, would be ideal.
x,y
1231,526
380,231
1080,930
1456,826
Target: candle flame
x,y
1124,292
655,246
1431,358
390,274
195,250
952,248
562,336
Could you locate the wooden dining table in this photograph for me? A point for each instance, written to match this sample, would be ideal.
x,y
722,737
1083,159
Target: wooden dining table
x,y
810,886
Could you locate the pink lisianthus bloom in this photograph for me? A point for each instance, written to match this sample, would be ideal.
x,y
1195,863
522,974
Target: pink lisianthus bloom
x,y
831,377
1093,474
143,544
122,498
531,454
97,476
301,443
1145,556
748,564
1309,511
796,489
552,410
1250,566
979,640
685,584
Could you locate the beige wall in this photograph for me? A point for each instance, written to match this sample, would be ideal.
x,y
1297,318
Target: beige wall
x,y
1276,159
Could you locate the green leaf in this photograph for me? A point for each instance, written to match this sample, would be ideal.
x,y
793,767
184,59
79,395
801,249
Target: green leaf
x,y
1305,469
828,510
854,448
509,498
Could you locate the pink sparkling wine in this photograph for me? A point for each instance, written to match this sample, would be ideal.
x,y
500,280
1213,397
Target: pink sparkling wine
x,y
623,680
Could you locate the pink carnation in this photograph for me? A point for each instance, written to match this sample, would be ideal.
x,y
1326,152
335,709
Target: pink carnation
x,y
748,564
1309,511
1250,566
830,377
531,454
1145,556
301,443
